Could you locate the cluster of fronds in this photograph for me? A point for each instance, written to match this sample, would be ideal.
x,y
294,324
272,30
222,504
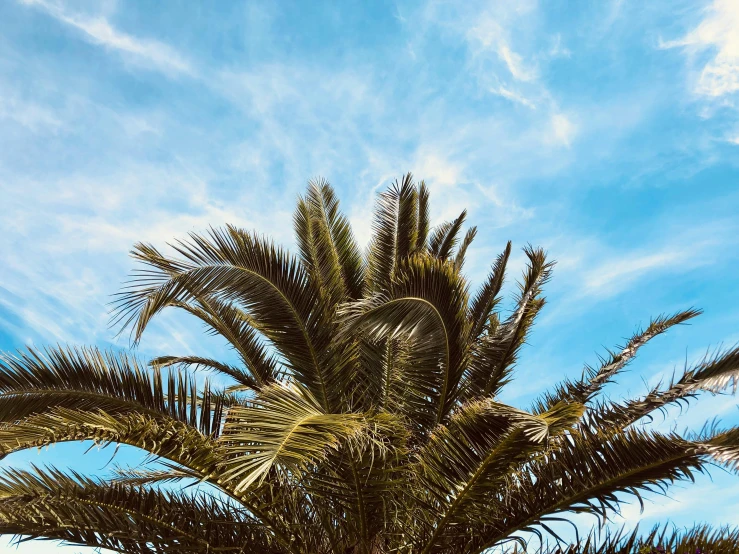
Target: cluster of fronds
x,y
363,413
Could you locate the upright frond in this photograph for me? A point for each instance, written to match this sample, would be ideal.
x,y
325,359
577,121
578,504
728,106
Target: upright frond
x,y
327,245
486,298
462,252
423,217
492,360
395,232
445,237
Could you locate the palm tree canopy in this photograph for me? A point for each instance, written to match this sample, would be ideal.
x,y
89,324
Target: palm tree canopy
x,y
362,414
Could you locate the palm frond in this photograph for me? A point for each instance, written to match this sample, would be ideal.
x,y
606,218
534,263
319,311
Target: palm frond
x,y
35,381
394,232
328,249
486,299
445,237
462,252
426,306
53,505
242,268
660,539
712,374
166,438
593,380
283,427
584,474
423,218
467,460
169,473
198,362
492,360
240,330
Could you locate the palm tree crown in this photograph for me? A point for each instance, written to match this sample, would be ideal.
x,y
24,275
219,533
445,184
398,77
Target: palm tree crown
x,y
362,415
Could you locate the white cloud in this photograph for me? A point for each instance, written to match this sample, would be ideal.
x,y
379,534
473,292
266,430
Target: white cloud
x,y
719,32
436,169
513,96
488,35
563,130
34,117
614,275
99,31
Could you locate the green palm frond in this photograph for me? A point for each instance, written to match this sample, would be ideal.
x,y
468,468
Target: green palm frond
x,y
166,438
585,474
462,252
168,473
713,374
467,460
226,320
394,232
487,299
198,362
493,358
285,428
423,218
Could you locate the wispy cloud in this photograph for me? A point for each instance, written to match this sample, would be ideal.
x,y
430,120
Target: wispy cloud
x,y
34,117
99,30
718,32
513,96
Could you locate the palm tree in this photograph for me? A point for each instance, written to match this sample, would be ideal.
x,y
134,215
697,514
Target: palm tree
x,y
362,416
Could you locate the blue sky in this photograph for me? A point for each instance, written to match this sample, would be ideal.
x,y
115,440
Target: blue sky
x,y
607,132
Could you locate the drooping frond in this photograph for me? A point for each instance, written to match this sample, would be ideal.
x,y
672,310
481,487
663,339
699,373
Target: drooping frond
x,y
426,307
467,460
87,379
285,428
198,362
242,268
50,504
585,474
167,438
239,329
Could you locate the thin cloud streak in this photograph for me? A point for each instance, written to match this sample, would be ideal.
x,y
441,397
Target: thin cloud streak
x,y
100,31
